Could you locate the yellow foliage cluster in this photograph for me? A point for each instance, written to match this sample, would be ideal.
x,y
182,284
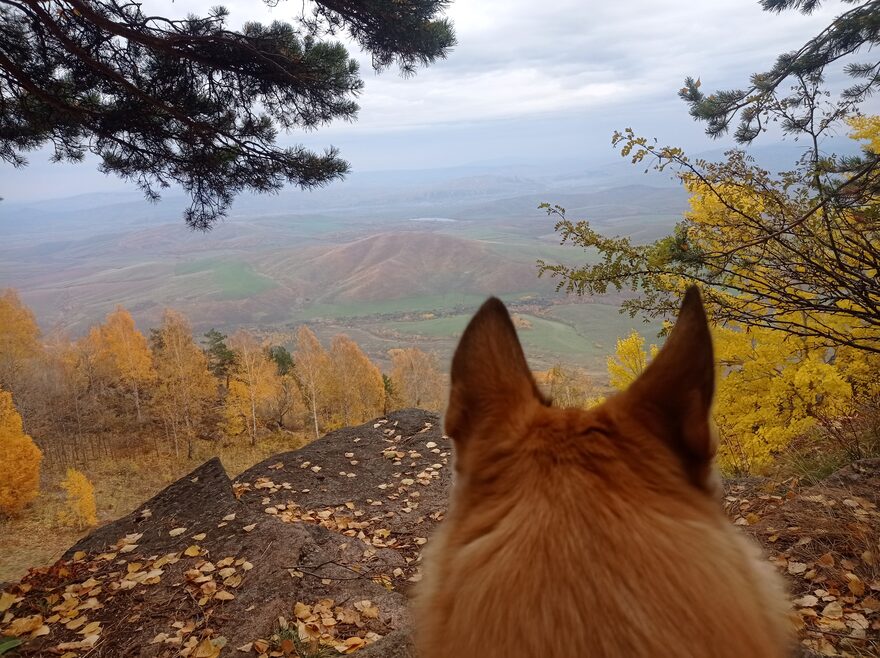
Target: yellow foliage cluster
x,y
81,510
569,387
866,129
185,386
122,355
253,384
356,392
628,360
20,477
773,385
342,386
416,379
18,338
771,388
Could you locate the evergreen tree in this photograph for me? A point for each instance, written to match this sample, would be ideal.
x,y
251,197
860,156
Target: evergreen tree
x,y
220,357
282,358
390,393
767,98
190,102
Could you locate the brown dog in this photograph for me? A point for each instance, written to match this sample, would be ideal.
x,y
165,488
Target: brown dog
x,y
590,534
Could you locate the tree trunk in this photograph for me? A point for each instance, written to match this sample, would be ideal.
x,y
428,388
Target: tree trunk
x,y
173,425
137,403
253,420
315,411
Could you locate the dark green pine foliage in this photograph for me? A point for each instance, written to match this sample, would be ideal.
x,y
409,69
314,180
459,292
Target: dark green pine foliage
x,y
190,102
282,358
220,357
768,98
390,392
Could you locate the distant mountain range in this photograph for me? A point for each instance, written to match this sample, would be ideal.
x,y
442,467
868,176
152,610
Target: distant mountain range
x,y
378,246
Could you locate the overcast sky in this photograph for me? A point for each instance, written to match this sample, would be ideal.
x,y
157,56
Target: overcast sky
x,y
528,82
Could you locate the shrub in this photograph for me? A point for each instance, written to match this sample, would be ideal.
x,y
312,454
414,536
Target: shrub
x,y
20,479
81,512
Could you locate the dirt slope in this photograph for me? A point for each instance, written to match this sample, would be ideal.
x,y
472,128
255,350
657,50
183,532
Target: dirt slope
x,y
400,265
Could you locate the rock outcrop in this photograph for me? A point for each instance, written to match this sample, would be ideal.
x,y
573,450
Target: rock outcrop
x,y
326,538
324,542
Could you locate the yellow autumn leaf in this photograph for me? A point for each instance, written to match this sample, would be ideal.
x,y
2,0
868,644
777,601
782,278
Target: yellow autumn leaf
x,y
855,585
833,610
351,645
73,624
6,601
24,625
92,628
367,609
232,581
206,649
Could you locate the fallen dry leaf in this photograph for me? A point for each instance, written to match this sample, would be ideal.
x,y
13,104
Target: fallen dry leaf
x,y
6,601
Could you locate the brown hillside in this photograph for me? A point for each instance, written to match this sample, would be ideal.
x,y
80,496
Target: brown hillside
x,y
399,265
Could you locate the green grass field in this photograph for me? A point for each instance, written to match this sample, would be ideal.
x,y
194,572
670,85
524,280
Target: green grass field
x,y
574,334
602,324
230,279
422,303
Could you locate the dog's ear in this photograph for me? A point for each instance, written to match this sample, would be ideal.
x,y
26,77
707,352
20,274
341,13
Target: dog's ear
x,y
491,380
673,396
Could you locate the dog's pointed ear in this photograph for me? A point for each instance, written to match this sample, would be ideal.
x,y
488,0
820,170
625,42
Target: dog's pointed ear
x,y
673,396
490,376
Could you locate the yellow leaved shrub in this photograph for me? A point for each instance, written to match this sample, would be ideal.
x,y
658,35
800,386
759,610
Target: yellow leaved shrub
x,y
20,474
80,508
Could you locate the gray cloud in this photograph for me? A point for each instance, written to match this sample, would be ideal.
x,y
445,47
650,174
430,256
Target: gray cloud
x,y
525,80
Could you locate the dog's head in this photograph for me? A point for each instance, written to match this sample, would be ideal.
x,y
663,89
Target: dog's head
x,y
660,426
